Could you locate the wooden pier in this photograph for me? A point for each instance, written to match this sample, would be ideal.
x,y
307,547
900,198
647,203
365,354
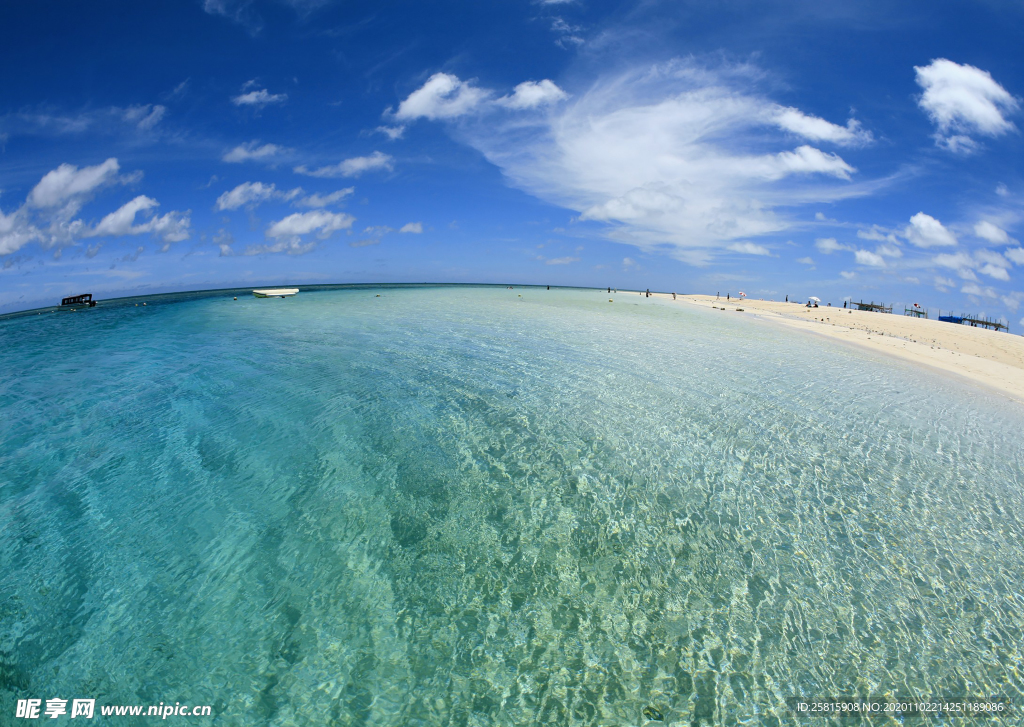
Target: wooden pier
x,y
974,321
872,306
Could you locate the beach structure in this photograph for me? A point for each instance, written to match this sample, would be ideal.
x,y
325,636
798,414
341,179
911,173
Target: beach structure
x,y
872,306
275,292
915,311
974,321
78,301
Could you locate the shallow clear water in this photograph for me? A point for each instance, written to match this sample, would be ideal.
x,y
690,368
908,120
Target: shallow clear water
x,y
458,506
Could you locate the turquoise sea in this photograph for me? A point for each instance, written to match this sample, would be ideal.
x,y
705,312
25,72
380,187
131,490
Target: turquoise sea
x,y
459,506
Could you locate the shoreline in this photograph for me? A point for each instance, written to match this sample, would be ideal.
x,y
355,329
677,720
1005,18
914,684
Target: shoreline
x,y
991,359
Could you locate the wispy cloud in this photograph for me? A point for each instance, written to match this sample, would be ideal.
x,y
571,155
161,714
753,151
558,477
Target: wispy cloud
x,y
663,154
324,200
817,129
392,132
351,167
749,248
253,151
258,98
145,117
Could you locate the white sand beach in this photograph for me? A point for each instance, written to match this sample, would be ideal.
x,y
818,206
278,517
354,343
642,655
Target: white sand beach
x,y
989,358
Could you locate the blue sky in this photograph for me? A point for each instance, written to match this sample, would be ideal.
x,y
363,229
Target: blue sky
x,y
867,150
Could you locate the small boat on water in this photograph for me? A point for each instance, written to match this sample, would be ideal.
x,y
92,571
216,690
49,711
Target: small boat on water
x,y
75,302
275,292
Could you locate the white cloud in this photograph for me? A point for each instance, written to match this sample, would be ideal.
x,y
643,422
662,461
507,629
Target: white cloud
x,y
994,271
991,257
810,160
561,261
16,232
958,143
392,132
805,261
847,274
531,94
67,182
866,257
877,234
325,200
172,227
443,96
987,231
673,157
962,100
749,248
259,98
1016,254
351,167
1002,190
961,262
252,150
943,283
249,193
829,245
413,227
568,34
889,251
303,223
817,129
975,289
926,231
954,261
120,221
293,246
48,214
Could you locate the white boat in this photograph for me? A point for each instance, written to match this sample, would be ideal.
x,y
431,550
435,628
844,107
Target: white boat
x,y
275,292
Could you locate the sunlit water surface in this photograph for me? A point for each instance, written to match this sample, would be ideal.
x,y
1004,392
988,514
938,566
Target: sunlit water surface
x,y
456,506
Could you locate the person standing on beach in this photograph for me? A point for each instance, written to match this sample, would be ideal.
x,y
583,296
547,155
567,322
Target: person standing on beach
x,y
787,298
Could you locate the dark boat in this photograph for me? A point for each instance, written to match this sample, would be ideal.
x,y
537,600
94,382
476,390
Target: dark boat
x,y
77,301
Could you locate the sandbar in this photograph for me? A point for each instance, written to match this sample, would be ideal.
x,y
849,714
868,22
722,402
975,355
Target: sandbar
x,y
992,359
